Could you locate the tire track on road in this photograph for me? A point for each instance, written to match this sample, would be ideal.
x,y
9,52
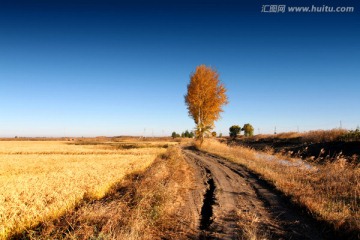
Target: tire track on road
x,y
239,204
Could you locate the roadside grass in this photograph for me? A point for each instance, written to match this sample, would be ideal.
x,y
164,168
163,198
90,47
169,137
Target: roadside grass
x,y
144,205
318,136
40,181
315,136
250,226
330,192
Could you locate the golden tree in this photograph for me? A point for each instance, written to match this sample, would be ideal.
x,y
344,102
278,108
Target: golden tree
x,y
205,97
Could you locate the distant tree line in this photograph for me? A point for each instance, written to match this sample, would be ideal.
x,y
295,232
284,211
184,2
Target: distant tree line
x,y
236,130
190,134
186,134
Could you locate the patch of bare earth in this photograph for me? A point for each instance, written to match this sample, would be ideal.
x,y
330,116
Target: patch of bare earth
x,y
242,206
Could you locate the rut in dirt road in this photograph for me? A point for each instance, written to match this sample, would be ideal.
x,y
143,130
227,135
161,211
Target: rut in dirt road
x,y
237,205
208,202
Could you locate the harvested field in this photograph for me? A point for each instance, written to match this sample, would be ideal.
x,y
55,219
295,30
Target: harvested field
x,y
42,180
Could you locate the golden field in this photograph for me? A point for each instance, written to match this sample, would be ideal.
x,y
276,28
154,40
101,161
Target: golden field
x,y
144,205
41,180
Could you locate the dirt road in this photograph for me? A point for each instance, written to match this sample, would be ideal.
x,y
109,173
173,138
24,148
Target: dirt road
x,y
236,204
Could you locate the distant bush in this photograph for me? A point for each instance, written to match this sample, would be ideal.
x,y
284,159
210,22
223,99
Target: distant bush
x,y
351,135
248,130
234,131
187,134
175,135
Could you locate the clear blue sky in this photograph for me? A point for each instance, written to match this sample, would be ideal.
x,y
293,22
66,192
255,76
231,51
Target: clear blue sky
x,y
89,68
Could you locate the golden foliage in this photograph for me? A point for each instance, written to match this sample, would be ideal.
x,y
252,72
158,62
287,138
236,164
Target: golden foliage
x,y
205,97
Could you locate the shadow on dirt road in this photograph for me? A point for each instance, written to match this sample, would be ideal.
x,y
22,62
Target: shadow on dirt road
x,y
237,204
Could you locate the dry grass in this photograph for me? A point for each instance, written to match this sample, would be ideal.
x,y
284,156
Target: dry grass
x,y
250,225
323,135
315,136
331,192
143,206
41,180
